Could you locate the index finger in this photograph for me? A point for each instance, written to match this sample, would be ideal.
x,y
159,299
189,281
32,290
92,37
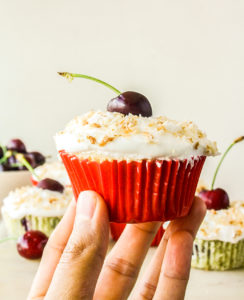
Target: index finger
x,y
52,254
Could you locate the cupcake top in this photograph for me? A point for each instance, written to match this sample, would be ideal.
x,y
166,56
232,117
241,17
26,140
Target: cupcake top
x,y
117,136
54,170
225,225
30,200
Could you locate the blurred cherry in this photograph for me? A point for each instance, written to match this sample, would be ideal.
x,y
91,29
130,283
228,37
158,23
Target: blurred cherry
x,y
16,145
50,184
218,198
31,244
37,157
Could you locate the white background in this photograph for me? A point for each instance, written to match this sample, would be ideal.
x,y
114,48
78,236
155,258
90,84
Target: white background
x,y
186,56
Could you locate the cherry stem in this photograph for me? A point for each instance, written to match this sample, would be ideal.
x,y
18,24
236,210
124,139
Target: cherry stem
x,y
71,76
6,154
8,239
238,140
20,157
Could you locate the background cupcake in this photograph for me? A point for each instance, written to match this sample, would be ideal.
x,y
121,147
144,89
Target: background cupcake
x,y
219,244
34,208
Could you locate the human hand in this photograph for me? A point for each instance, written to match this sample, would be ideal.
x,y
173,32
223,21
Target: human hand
x,y
73,265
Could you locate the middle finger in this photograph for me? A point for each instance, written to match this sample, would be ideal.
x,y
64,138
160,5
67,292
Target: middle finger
x,y
123,263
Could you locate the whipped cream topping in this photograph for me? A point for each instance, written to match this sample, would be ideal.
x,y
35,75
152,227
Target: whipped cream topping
x,y
30,200
54,170
117,136
225,225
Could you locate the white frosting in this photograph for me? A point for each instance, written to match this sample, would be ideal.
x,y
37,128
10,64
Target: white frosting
x,y
225,225
133,137
54,170
34,201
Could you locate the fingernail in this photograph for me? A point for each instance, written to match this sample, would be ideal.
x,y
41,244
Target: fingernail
x,y
86,204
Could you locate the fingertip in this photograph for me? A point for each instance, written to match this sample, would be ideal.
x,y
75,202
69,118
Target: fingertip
x,y
199,208
91,205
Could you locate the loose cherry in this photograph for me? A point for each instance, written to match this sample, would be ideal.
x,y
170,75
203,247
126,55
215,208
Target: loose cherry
x,y
30,160
218,198
130,103
5,167
31,244
38,158
125,103
16,145
50,184
11,162
1,152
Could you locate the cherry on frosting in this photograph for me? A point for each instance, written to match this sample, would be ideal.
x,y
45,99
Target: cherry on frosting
x,y
31,244
215,199
50,184
125,103
130,103
218,198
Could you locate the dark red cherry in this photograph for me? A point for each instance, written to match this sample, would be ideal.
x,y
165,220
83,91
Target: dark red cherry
x,y
130,103
38,158
30,159
215,199
16,145
31,244
5,167
11,161
1,152
50,184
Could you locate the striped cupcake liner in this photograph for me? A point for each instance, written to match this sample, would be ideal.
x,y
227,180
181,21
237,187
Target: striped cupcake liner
x,y
217,255
44,224
138,191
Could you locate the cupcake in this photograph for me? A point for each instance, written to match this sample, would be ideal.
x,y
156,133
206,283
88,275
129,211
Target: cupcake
x,y
146,168
34,208
117,229
219,244
54,170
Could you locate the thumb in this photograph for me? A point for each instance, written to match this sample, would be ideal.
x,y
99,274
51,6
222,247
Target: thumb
x,y
80,264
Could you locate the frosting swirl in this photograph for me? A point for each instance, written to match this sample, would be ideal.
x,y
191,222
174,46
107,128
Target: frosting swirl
x,y
225,225
117,136
30,200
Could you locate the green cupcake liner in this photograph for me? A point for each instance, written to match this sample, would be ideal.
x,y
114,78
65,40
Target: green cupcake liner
x,y
44,224
217,255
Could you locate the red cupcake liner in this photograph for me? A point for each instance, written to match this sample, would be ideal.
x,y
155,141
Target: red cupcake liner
x,y
138,191
118,228
34,181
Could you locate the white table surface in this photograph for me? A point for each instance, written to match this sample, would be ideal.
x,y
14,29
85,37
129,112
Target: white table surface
x,y
16,274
